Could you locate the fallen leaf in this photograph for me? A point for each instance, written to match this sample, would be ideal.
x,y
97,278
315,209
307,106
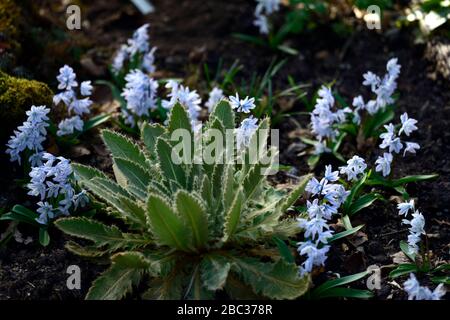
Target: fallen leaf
x,y
399,258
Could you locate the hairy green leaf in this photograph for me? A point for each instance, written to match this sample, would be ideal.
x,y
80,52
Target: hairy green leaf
x,y
225,114
166,225
120,146
214,271
83,172
278,280
136,175
233,215
150,134
193,212
125,272
171,170
99,233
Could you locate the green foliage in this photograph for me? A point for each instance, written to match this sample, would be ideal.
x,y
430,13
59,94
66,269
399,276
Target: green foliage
x,y
334,288
22,214
421,263
300,16
258,86
191,228
364,4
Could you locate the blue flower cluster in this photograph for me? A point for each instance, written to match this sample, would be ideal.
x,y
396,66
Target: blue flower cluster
x,y
417,292
190,99
30,136
329,196
383,87
417,224
392,142
324,119
76,107
263,10
50,182
140,94
137,49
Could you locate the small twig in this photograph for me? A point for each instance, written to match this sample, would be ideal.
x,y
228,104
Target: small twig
x,y
391,233
289,175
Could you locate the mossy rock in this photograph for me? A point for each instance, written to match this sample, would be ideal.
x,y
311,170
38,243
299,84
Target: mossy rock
x,y
11,20
16,97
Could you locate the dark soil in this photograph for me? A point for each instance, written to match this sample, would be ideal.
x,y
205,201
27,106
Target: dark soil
x,y
31,272
190,33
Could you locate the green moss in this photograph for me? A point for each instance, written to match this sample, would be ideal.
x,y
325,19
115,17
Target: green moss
x,y
16,97
10,20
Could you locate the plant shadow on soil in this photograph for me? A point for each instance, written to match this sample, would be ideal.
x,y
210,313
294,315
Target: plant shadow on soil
x,y
196,32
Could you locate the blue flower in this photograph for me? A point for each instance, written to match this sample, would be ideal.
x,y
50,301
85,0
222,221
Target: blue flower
x,y
69,125
66,78
139,42
30,135
242,105
51,182
86,88
320,210
140,94
245,131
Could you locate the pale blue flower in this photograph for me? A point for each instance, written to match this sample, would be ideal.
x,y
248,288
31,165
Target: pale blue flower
x,y
50,181
417,292
355,167
316,228
138,47
245,131
81,199
190,99
314,186
358,103
66,78
242,105
148,62
30,135
408,124
140,93
390,141
139,43
371,79
268,6
321,147
262,23
315,256
69,126
86,88
66,97
383,87
215,96
331,175
411,147
80,106
263,9
314,208
313,227
405,207
393,68
119,59
45,211
417,225
384,164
